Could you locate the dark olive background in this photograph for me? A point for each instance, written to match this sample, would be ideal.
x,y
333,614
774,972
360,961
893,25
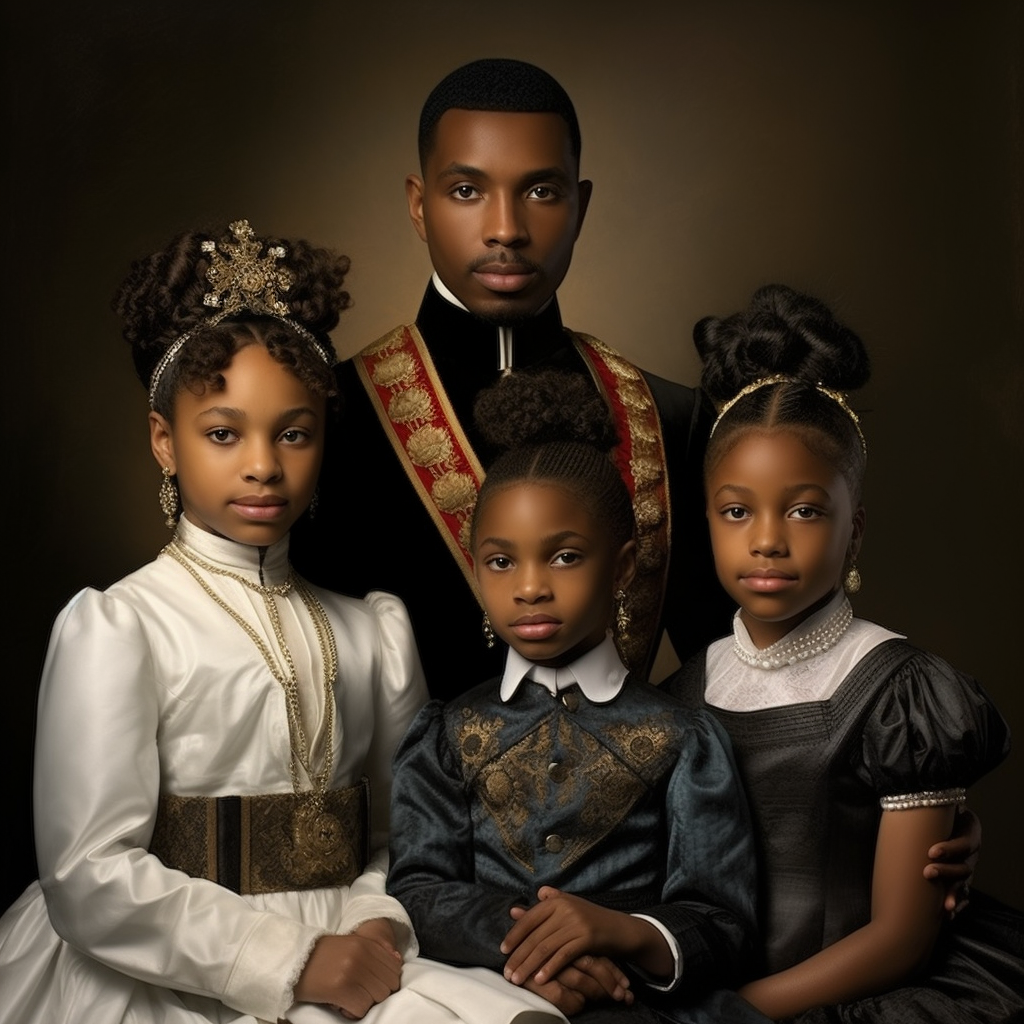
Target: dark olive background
x,y
867,152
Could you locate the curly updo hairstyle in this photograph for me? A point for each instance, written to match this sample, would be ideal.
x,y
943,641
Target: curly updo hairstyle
x,y
785,332
162,298
552,427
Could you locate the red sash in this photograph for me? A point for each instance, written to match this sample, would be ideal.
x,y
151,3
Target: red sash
x,y
416,415
640,457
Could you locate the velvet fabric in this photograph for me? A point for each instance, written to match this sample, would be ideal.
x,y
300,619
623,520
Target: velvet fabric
x,y
633,804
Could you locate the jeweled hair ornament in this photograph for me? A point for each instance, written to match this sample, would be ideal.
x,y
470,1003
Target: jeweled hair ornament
x,y
242,278
781,378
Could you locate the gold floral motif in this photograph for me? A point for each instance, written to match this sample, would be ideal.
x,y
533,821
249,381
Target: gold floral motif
x,y
623,370
454,492
478,739
611,791
465,532
391,340
645,437
316,843
629,396
511,790
634,396
645,746
649,513
399,368
645,470
430,446
515,787
411,406
500,787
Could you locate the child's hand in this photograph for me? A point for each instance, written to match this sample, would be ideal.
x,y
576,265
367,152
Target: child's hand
x,y
380,930
349,972
596,978
953,861
585,982
554,932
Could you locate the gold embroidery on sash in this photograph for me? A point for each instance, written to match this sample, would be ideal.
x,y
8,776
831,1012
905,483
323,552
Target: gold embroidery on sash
x,y
641,460
414,410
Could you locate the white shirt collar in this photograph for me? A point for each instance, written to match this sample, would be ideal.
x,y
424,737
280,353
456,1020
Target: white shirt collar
x,y
446,292
599,673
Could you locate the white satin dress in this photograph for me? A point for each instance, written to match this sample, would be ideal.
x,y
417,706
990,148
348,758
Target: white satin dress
x,y
150,687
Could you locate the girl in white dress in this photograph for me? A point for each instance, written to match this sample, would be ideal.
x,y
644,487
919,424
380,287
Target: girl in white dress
x,y
212,774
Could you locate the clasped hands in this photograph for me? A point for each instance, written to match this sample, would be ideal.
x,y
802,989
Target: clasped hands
x,y
561,949
352,972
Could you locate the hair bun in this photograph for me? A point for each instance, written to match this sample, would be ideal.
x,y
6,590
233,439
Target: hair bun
x,y
781,331
530,408
163,295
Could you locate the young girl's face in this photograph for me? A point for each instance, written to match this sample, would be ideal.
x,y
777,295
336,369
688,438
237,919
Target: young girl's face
x,y
547,571
246,457
783,529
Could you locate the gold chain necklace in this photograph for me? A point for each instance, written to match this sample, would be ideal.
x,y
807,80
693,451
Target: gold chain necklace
x,y
314,817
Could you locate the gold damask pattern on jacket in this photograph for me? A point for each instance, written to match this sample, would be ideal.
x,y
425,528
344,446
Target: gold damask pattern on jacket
x,y
603,774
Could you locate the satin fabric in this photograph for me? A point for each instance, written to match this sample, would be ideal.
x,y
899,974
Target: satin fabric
x,y
901,722
149,688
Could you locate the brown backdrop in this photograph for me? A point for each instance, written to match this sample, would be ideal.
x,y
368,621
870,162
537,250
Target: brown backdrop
x,y
867,152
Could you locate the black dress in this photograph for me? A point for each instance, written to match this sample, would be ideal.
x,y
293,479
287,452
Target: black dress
x,y
903,721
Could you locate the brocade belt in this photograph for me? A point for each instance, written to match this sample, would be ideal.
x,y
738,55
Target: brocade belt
x,y
269,843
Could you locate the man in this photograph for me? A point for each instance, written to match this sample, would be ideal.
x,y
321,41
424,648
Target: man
x,y
500,204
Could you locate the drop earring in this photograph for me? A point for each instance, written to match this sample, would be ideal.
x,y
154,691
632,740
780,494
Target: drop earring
x,y
488,631
313,502
169,499
852,580
622,619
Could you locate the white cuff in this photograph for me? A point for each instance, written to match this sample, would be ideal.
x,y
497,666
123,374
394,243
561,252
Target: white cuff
x,y
677,957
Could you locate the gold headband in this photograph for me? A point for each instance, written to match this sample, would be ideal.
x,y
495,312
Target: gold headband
x,y
241,279
781,378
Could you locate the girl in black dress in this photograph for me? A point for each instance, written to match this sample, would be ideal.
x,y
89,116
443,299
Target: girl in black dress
x,y
855,747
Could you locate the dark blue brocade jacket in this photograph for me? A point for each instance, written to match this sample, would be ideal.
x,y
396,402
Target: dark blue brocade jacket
x,y
634,804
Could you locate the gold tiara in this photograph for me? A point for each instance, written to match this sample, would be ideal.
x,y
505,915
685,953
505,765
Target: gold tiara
x,y
242,278
781,378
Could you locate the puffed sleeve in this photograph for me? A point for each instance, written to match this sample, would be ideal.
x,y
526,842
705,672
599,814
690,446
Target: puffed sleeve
x,y
97,777
932,728
709,896
457,920
400,692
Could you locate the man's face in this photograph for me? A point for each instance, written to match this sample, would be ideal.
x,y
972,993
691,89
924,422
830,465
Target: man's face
x,y
500,207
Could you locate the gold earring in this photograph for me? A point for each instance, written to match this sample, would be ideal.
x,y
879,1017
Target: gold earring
x,y
622,619
488,631
852,580
169,499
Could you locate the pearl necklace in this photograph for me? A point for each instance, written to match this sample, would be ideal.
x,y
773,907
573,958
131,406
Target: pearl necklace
x,y
790,650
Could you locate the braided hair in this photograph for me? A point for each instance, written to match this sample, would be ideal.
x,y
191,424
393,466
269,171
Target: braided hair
x,y
553,427
787,333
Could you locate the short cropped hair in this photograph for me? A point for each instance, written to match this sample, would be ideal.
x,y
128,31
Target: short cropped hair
x,y
498,84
